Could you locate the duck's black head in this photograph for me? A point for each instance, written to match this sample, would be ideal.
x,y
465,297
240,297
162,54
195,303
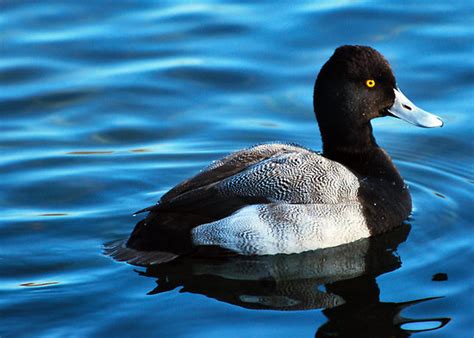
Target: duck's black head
x,y
355,86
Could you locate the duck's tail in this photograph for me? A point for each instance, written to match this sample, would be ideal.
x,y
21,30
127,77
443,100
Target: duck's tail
x,y
121,252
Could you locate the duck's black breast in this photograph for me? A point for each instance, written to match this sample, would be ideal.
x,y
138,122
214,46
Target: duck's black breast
x,y
382,192
385,205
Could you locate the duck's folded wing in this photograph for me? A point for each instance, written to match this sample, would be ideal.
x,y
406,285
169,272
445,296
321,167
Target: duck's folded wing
x,y
263,174
302,177
203,185
230,165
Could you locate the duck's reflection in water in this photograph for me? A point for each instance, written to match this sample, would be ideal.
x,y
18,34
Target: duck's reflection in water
x,y
341,280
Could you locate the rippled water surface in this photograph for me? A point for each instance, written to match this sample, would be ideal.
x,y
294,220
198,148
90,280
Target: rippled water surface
x,y
105,105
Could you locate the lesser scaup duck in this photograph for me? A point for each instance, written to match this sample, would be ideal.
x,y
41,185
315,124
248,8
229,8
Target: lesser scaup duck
x,y
282,198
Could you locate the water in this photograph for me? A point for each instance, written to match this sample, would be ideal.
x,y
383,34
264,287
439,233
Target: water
x,y
105,105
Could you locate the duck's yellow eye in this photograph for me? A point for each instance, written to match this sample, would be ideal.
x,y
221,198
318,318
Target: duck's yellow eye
x,y
370,83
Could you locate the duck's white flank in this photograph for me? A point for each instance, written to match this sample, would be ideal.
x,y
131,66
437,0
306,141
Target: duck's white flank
x,y
267,229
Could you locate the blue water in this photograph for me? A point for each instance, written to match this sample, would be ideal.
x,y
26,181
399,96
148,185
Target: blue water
x,y
105,105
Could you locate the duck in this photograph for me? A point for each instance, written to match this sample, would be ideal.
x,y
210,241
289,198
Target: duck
x,y
282,198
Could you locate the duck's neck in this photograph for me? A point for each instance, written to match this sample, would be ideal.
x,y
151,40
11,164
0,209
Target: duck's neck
x,y
359,151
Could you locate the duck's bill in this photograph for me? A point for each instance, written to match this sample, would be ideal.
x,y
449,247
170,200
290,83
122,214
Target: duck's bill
x,y
404,109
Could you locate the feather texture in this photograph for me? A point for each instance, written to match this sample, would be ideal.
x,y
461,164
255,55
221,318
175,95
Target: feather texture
x,y
267,229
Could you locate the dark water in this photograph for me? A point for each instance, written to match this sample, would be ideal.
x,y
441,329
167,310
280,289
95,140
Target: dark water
x,y
105,105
